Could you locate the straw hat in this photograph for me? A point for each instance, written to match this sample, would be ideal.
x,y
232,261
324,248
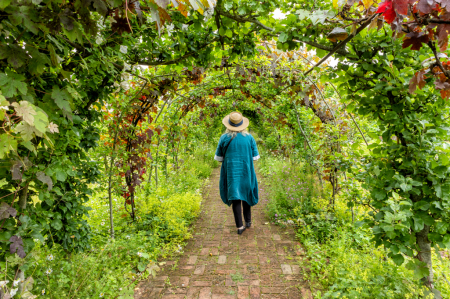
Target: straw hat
x,y
235,121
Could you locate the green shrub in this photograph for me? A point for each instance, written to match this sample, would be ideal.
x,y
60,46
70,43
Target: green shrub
x,y
113,266
343,262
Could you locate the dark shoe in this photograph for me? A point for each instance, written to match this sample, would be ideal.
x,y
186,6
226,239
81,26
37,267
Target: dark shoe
x,y
240,231
248,224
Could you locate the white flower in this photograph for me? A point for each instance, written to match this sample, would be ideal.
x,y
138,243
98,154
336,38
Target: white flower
x,y
16,282
13,292
123,49
126,66
3,283
49,271
53,128
50,257
43,292
185,27
139,254
125,85
436,157
120,289
101,295
208,13
125,76
99,40
103,223
127,237
4,108
169,29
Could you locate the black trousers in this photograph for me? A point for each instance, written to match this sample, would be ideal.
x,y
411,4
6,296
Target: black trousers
x,y
237,211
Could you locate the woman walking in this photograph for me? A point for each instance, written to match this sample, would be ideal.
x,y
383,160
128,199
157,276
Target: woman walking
x,y
238,185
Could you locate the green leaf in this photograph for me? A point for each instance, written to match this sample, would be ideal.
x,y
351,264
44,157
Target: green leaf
x,y
398,259
11,83
25,130
283,37
37,63
376,170
229,33
41,120
62,98
422,205
418,224
7,143
61,175
53,56
4,3
228,5
379,194
56,224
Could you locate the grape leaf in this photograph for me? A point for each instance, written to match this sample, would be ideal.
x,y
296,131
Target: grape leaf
x,y
100,6
401,6
388,11
7,143
6,211
17,57
3,182
45,179
398,259
17,246
417,80
11,82
4,3
424,6
443,31
444,3
416,39
62,98
25,110
40,121
26,131
57,224
38,61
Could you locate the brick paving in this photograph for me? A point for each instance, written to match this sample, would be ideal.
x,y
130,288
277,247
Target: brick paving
x,y
265,262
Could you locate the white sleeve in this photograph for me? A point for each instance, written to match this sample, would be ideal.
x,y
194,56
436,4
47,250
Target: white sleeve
x,y
217,158
256,158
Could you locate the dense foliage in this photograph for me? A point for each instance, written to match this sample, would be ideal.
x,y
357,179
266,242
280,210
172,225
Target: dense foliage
x,y
107,97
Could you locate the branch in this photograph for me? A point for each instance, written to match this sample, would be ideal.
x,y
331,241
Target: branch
x,y
343,43
438,60
241,19
176,60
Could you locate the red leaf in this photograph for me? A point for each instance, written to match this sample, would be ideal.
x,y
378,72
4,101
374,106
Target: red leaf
x,y
416,39
445,94
388,11
424,7
401,6
417,80
442,34
442,85
445,3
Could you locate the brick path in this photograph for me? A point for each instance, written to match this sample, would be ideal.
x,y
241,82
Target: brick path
x,y
217,263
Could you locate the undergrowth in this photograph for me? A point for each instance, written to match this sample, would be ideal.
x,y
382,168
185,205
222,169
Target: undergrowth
x,y
343,262
112,267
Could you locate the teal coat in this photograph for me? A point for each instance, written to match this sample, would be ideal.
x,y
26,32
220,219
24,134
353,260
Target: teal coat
x,y
237,175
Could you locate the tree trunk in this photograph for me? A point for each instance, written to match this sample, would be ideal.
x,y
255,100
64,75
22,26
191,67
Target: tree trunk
x,y
424,255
